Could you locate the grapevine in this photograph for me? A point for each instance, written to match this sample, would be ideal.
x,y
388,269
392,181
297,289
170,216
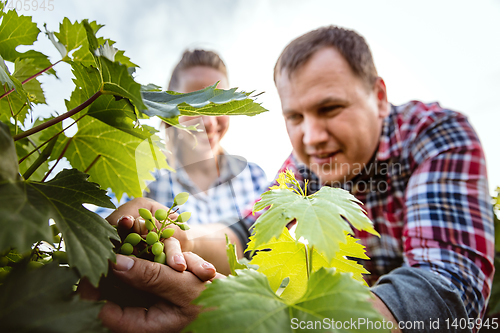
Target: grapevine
x,y
50,240
311,280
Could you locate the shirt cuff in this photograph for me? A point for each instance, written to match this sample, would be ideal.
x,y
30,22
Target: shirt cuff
x,y
416,296
241,230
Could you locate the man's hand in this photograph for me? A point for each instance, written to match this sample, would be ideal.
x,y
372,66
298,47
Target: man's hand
x,y
127,219
207,241
175,289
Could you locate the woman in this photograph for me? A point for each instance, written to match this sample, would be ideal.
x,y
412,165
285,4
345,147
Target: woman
x,y
220,185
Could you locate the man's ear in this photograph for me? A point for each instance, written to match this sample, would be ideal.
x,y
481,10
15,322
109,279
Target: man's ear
x,y
380,91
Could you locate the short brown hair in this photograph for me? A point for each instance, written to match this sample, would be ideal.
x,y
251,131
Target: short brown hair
x,y
350,44
196,58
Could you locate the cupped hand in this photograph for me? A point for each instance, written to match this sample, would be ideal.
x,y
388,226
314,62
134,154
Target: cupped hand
x,y
175,290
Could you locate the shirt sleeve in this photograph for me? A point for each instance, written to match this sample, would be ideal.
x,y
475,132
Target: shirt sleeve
x,y
438,307
448,224
259,178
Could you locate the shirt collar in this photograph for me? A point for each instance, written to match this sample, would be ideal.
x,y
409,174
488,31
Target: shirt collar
x,y
390,140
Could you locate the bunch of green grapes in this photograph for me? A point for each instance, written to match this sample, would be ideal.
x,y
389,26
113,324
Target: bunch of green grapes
x,y
40,254
152,245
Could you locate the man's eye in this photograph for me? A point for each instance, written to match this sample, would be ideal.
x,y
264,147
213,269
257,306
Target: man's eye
x,y
330,109
293,117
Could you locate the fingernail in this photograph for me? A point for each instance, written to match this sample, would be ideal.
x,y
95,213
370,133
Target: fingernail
x,y
124,217
179,259
207,265
123,263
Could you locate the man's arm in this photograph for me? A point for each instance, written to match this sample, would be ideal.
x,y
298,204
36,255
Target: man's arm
x,y
448,230
211,245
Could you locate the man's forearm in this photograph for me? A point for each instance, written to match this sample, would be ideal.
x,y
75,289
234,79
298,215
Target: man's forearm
x,y
385,312
209,242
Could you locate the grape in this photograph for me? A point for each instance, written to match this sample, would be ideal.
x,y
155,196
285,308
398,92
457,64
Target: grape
x,y
149,225
157,248
167,233
133,239
152,238
160,258
183,226
34,264
183,217
3,275
145,214
161,214
127,248
181,198
4,261
60,256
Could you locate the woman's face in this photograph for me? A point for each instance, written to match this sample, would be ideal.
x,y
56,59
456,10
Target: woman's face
x,y
197,78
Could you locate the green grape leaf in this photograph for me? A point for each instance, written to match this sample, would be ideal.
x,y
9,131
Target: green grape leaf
x,y
58,45
117,160
115,76
5,77
254,307
24,68
320,217
9,171
209,101
73,36
29,205
107,51
87,82
234,264
26,145
119,114
150,87
123,59
40,60
16,30
46,294
287,258
16,103
118,81
119,55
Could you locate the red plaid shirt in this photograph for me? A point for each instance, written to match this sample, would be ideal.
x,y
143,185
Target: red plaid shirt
x,y
427,195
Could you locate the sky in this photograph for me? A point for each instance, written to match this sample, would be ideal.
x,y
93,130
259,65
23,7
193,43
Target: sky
x,y
439,50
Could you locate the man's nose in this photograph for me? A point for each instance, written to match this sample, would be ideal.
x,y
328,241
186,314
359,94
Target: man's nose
x,y
315,131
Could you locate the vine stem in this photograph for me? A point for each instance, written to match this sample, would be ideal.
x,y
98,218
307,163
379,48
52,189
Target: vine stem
x,y
43,144
92,164
56,120
31,78
58,159
309,259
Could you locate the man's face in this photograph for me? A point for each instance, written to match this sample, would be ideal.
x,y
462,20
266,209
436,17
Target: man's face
x,y
333,119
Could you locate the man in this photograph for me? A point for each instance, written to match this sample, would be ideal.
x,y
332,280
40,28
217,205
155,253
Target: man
x,y
419,170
